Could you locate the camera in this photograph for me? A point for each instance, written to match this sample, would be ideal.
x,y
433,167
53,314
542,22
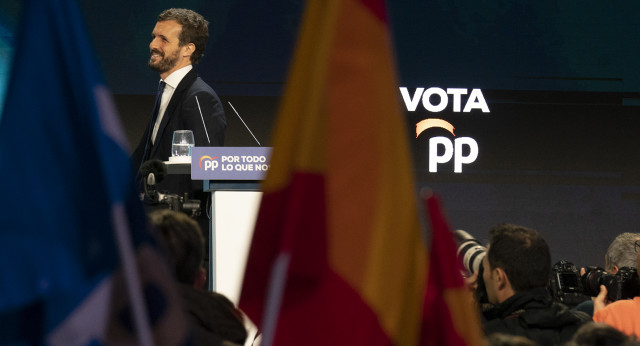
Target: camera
x,y
569,287
622,285
565,284
471,253
175,202
152,172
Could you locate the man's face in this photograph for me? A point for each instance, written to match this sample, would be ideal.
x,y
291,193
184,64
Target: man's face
x,y
164,47
489,284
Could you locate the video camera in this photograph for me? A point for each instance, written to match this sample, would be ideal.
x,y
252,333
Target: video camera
x,y
152,173
570,288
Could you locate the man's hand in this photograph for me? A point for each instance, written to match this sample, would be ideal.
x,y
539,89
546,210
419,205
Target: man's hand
x,y
601,300
472,282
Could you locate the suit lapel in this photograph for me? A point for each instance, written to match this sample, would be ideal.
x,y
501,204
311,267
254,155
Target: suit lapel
x,y
176,98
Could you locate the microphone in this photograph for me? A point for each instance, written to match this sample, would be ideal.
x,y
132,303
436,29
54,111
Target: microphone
x,y
152,172
157,167
245,124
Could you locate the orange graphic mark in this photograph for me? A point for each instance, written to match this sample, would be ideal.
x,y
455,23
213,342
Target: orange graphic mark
x,y
206,157
429,123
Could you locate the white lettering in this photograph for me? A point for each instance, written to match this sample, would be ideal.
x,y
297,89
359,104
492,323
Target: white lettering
x,y
456,92
253,159
411,103
426,100
230,159
476,101
434,158
459,160
212,165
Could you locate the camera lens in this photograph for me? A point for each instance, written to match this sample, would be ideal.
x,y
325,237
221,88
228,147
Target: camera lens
x,y
593,278
470,251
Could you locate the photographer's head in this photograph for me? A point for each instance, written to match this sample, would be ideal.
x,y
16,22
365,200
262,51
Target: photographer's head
x,y
182,238
621,253
518,259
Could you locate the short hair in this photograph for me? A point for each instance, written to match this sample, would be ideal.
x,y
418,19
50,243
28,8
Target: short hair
x,y
593,333
182,238
523,255
621,252
195,29
501,339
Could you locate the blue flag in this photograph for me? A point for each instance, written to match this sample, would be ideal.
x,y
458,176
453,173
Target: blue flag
x,y
76,263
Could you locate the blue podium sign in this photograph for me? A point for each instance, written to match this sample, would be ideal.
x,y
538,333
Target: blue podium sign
x,y
230,163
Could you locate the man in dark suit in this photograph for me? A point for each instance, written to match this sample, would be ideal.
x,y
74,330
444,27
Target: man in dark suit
x,y
184,101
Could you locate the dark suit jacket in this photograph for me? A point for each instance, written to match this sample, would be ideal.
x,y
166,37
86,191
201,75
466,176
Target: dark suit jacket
x,y
183,113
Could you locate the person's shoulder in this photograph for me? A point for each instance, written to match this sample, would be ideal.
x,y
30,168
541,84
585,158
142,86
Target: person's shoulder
x,y
623,303
618,307
580,316
200,87
202,84
562,309
586,307
499,325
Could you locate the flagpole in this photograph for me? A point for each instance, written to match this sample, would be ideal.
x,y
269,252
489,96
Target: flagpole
x,y
274,298
129,264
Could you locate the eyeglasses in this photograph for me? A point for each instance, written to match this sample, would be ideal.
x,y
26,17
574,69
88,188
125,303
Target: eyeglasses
x,y
636,245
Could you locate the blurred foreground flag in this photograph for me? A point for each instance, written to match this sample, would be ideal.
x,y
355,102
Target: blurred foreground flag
x,y
338,257
451,315
77,266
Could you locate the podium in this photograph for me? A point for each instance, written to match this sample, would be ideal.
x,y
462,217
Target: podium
x,y
233,177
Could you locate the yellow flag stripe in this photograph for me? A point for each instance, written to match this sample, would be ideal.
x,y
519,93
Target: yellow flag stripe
x,y
378,217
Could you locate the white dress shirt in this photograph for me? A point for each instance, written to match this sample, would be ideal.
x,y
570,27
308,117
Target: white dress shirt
x,y
172,81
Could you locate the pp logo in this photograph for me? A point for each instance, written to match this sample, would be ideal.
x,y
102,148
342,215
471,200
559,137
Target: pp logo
x,y
457,148
459,143
210,163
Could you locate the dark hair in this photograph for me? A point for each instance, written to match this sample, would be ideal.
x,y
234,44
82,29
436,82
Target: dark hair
x,y
195,29
592,334
523,255
501,339
182,238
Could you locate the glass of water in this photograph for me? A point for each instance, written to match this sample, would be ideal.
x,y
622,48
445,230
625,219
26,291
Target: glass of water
x,y
182,143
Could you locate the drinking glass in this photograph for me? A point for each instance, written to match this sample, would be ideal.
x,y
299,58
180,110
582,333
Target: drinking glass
x,y
182,143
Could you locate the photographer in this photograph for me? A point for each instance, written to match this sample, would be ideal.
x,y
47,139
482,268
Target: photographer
x,y
620,254
623,315
516,272
214,319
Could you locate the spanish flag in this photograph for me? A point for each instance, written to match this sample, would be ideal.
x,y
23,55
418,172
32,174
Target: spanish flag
x,y
338,256
451,315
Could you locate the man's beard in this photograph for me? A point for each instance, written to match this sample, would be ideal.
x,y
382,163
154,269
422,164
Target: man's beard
x,y
165,63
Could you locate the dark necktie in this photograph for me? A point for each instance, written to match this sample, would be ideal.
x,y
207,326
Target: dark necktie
x,y
154,118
